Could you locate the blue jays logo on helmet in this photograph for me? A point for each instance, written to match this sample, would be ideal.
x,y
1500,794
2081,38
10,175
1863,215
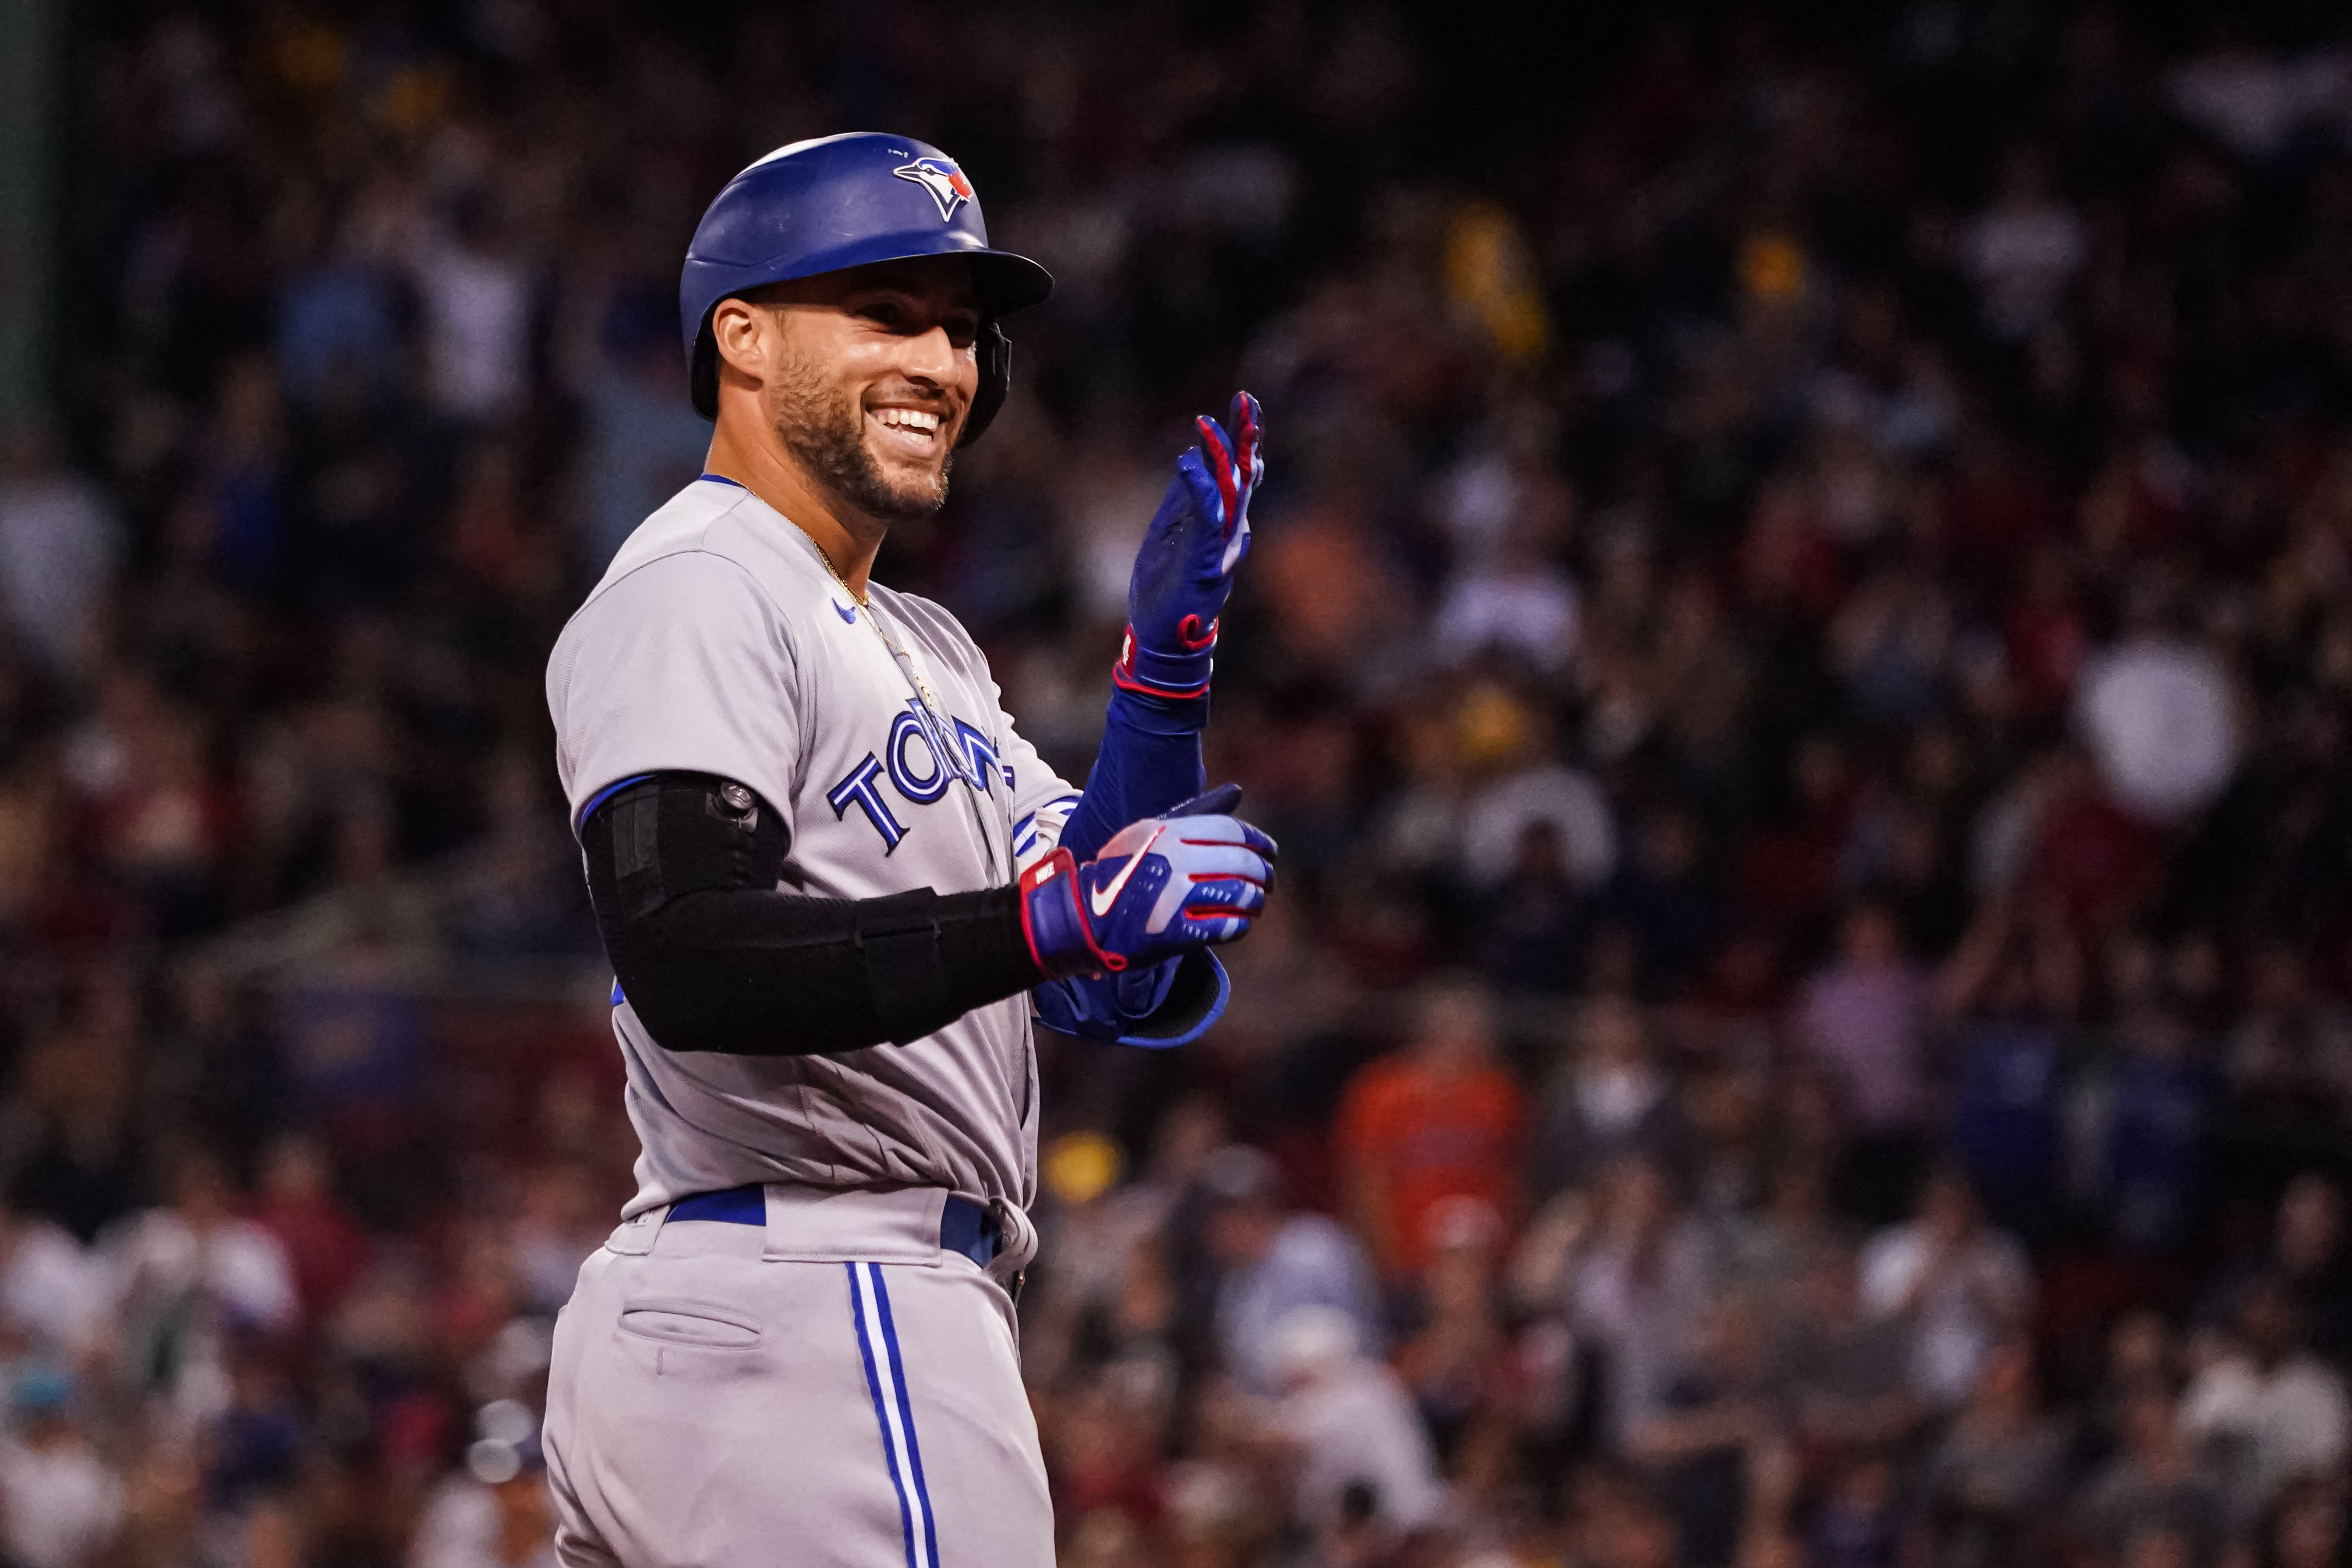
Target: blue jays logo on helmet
x,y
942,179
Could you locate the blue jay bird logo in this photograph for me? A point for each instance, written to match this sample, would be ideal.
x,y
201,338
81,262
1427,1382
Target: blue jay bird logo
x,y
942,179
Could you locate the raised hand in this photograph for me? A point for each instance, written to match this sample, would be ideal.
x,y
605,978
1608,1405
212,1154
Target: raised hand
x,y
1185,568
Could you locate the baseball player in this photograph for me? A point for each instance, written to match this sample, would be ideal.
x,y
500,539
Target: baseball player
x,y
834,882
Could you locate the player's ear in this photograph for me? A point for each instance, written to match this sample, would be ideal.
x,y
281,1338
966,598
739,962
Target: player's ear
x,y
745,336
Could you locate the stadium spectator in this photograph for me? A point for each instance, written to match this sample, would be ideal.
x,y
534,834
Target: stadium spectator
x,y
1847,1374
60,545
1989,1482
60,1503
2305,1528
1273,1261
1638,1285
2157,714
2265,1407
1440,1120
1964,1288
1705,1431
498,1514
1520,604
324,1246
2026,249
1863,1018
2309,1254
2013,995
55,1296
1458,1366
1360,1446
2155,1481
2158,1113
1609,1099
1860,1524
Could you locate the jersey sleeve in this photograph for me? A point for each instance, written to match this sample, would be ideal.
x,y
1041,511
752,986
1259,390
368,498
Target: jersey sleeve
x,y
685,665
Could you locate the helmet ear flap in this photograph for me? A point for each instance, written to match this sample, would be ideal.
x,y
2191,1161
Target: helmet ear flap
x,y
702,372
995,353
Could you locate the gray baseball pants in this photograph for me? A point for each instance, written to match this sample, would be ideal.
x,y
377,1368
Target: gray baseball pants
x,y
833,1389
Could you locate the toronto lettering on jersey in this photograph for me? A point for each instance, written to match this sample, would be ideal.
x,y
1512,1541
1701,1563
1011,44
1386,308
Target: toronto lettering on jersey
x,y
921,761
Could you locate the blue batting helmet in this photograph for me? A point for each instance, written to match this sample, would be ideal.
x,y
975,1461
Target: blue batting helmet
x,y
844,201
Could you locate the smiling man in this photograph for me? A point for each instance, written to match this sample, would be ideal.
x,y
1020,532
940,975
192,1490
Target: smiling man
x,y
835,883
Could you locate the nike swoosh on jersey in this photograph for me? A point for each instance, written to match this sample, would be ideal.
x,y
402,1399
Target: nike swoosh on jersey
x,y
848,617
1104,896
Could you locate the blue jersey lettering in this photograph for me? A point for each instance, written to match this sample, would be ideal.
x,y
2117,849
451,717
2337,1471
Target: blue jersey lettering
x,y
862,790
933,783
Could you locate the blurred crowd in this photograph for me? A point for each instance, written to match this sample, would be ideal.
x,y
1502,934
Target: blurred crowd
x,y
1799,650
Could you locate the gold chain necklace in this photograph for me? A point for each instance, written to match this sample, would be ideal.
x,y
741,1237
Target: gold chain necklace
x,y
933,716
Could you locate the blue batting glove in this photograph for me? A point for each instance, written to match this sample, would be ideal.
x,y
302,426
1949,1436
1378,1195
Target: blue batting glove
x,y
1193,878
1098,1008
1185,569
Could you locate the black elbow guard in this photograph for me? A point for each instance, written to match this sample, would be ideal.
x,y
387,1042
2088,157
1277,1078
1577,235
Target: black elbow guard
x,y
674,833
682,872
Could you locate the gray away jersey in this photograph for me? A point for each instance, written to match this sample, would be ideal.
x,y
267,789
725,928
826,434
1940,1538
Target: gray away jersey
x,y
719,643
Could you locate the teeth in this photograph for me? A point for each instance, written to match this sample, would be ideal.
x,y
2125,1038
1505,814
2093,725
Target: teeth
x,y
907,418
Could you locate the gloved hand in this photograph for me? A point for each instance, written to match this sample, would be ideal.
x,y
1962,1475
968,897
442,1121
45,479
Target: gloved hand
x,y
1192,878
1157,1007
1185,568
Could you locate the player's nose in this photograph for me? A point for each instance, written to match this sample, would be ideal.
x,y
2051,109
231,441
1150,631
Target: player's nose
x,y
933,358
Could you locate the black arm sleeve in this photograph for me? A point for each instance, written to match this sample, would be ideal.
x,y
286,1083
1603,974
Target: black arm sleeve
x,y
682,870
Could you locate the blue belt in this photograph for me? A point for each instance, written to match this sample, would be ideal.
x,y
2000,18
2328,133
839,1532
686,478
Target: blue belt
x,y
964,1226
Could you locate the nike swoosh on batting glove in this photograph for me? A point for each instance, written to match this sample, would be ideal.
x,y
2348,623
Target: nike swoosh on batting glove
x,y
1185,569
1193,878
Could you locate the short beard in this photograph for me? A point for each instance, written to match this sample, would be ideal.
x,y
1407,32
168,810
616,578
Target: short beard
x,y
828,438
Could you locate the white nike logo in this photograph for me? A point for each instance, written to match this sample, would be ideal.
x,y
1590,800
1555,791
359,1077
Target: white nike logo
x,y
1104,896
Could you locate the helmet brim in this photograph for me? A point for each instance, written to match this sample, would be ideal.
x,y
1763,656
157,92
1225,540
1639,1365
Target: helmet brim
x,y
1007,282
1003,280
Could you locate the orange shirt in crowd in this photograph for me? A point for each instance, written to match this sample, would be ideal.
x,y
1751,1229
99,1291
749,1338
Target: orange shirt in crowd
x,y
1409,1139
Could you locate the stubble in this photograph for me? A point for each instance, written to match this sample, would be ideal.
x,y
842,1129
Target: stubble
x,y
825,432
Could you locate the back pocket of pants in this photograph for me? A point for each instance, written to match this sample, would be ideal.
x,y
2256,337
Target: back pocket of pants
x,y
680,1322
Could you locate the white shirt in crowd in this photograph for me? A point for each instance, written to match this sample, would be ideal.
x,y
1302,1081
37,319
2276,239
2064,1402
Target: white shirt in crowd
x,y
1352,1420
477,329
1530,611
57,550
2024,254
1567,799
238,1264
54,1289
2156,713
1974,1298
2289,1421
462,1526
59,1505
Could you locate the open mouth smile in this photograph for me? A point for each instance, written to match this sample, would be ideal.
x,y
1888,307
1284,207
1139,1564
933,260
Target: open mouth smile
x,y
912,432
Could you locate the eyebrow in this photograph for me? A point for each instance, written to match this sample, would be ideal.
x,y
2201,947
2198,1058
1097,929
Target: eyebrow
x,y
916,295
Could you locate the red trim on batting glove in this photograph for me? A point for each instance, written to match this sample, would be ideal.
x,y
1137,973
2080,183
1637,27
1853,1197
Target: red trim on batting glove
x,y
1062,866
1120,677
1228,480
1059,863
1122,672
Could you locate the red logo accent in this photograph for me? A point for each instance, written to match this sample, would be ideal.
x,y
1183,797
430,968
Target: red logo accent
x,y
943,180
